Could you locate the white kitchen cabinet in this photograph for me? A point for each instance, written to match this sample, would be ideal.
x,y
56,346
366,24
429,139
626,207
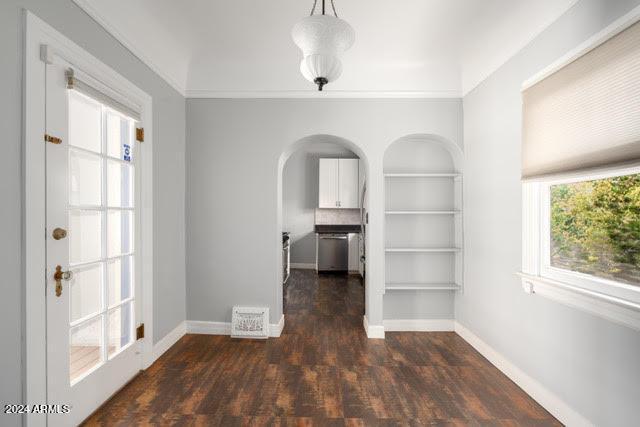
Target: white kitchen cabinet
x,y
339,183
348,178
328,185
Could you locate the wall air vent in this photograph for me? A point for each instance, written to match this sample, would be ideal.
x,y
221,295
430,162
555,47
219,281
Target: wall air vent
x,y
250,322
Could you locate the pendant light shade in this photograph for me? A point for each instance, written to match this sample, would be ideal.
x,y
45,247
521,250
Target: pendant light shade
x,y
318,66
322,39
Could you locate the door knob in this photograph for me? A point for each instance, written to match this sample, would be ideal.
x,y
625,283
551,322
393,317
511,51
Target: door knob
x,y
59,233
59,276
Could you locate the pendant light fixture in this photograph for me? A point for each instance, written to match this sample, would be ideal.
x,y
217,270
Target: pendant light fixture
x,y
322,39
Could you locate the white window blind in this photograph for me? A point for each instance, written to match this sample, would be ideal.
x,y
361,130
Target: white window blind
x,y
587,114
75,81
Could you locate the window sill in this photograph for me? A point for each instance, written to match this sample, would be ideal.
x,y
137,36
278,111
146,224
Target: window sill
x,y
615,309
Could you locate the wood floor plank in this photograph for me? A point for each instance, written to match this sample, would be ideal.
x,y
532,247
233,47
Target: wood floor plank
x,y
323,371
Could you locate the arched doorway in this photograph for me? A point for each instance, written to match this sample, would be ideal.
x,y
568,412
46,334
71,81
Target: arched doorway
x,y
303,238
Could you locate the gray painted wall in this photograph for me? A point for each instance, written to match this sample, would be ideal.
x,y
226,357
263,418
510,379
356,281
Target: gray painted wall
x,y
590,363
233,152
300,196
169,146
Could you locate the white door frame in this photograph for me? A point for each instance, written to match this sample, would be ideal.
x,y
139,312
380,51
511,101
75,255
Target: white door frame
x,y
38,34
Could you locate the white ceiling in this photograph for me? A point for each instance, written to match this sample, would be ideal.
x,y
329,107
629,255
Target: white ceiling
x,y
414,48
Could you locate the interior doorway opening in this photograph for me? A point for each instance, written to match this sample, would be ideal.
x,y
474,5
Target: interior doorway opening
x,y
322,220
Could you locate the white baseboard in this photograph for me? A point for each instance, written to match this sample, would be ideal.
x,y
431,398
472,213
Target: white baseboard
x,y
550,401
208,328
169,340
303,265
372,331
224,328
275,329
418,325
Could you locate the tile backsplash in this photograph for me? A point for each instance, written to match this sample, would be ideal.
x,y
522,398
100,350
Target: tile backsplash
x,y
337,216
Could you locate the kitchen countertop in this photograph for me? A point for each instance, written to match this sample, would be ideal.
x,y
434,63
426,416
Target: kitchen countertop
x,y
337,228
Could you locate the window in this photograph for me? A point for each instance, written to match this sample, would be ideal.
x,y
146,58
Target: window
x,y
581,242
594,228
581,177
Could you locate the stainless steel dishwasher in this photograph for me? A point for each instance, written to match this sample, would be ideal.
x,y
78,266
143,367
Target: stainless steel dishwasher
x,y
333,252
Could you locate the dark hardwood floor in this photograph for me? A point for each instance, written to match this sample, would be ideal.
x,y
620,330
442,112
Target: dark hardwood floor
x,y
323,371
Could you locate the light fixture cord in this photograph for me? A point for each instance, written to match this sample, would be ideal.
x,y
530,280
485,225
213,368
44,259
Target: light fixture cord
x,y
315,3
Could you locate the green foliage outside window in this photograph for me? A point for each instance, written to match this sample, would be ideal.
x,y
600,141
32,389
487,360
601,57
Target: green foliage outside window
x,y
595,228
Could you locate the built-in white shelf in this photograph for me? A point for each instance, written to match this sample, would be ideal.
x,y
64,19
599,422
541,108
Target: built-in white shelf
x,y
422,250
400,212
424,217
421,287
422,175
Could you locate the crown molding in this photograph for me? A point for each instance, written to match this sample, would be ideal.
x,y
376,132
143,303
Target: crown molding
x,y
482,76
86,6
327,94
128,44
601,37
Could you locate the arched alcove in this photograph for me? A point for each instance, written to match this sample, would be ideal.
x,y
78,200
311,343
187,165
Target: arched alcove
x,y
287,153
423,224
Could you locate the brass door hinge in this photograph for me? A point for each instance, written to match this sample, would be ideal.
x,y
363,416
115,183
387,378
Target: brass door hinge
x,y
140,332
52,139
140,134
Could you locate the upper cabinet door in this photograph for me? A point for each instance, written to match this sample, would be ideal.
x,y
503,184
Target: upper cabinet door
x,y
328,186
348,179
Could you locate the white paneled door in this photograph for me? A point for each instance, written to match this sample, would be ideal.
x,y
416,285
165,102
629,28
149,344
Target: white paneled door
x,y
92,280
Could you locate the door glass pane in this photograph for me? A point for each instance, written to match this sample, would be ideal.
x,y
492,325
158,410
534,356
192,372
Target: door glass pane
x,y
85,235
85,179
85,122
85,351
85,289
120,232
119,137
119,184
120,328
120,275
101,239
